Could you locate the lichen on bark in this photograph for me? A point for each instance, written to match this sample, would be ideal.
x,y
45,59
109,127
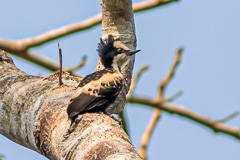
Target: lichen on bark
x,y
33,114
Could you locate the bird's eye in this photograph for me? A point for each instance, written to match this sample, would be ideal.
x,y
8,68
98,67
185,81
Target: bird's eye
x,y
119,50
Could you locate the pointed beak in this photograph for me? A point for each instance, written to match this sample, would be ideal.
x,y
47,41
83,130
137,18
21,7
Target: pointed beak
x,y
131,52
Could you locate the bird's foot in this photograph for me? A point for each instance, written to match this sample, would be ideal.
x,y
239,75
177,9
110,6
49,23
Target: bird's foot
x,y
74,123
118,120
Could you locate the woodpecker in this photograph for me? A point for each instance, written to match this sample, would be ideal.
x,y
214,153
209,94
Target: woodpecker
x,y
97,91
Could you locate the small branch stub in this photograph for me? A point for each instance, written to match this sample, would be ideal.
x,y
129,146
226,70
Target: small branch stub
x,y
60,65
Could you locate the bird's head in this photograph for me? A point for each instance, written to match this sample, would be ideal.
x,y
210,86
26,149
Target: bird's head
x,y
113,54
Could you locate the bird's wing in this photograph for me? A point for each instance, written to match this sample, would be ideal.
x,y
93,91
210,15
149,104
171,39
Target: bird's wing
x,y
83,103
94,93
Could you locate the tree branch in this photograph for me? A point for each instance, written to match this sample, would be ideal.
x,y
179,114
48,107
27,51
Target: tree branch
x,y
136,79
17,46
33,114
45,62
77,66
170,74
118,21
147,5
21,48
148,133
130,92
187,113
157,113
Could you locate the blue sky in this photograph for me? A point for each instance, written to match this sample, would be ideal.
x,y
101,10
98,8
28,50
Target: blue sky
x,y
208,75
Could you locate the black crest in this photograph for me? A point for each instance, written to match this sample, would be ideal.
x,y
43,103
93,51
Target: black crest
x,y
105,50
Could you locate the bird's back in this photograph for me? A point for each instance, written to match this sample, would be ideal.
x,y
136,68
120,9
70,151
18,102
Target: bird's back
x,y
95,92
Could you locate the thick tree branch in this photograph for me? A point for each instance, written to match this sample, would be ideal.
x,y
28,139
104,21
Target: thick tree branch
x,y
171,108
33,114
118,21
21,48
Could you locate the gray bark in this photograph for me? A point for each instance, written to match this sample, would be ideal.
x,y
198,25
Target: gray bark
x,y
117,19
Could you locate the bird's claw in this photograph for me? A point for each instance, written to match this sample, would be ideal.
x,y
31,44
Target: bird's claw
x,y
119,120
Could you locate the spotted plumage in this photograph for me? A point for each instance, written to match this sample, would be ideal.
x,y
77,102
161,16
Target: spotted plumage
x,y
97,91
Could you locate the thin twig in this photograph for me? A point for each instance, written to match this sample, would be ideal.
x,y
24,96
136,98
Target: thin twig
x,y
170,74
60,65
187,113
136,79
133,84
160,98
148,133
176,95
233,115
77,66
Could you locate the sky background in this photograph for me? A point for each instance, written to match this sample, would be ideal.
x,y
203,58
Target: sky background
x,y
208,75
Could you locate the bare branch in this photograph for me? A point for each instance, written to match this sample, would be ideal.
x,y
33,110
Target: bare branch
x,y
132,87
17,46
187,113
170,74
148,132
233,115
44,62
176,95
136,79
21,48
40,60
156,113
77,66
146,5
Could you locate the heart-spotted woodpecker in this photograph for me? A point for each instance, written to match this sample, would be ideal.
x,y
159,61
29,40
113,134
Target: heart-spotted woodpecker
x,y
97,91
